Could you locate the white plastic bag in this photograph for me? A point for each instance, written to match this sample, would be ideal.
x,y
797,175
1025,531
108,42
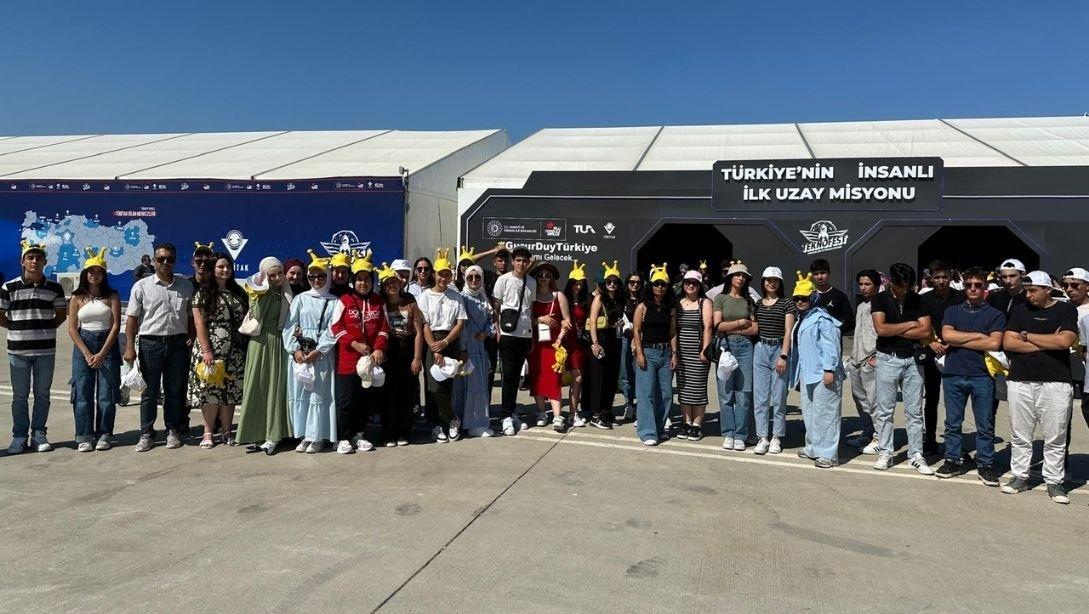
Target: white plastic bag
x,y
1000,357
304,374
467,368
131,377
378,377
727,364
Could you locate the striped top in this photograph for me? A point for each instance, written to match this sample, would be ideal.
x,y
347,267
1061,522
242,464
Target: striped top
x,y
31,311
772,320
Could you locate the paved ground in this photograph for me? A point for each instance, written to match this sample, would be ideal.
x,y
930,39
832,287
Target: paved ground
x,y
588,521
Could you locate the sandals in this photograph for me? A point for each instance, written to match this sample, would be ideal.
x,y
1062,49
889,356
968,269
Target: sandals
x,y
206,441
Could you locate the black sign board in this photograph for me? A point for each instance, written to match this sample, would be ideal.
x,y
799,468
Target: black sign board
x,y
895,184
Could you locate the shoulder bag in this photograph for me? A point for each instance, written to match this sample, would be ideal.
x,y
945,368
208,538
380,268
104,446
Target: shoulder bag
x,y
508,318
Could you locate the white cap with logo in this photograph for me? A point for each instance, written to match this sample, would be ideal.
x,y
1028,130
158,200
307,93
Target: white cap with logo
x,y
401,265
772,272
1037,278
1077,273
1013,263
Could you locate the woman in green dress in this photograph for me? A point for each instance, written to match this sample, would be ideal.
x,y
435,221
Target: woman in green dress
x,y
265,417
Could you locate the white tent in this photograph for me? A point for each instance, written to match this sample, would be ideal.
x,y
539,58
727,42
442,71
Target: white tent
x,y
433,162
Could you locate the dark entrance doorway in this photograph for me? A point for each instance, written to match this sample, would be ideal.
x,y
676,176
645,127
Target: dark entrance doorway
x,y
684,243
962,247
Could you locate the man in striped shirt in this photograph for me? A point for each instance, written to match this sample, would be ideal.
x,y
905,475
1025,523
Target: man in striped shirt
x,y
31,308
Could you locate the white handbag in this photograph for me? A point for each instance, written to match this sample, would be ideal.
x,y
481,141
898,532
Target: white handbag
x,y
251,326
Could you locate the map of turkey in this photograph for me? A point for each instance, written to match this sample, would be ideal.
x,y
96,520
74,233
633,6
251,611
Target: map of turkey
x,y
67,238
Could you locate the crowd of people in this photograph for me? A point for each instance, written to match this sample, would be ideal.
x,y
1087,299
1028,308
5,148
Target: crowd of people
x,y
310,350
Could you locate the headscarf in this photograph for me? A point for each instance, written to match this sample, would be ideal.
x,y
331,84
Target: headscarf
x,y
481,294
324,293
300,287
270,262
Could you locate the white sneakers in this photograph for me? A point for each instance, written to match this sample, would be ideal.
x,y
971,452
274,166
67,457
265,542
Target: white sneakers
x,y
362,444
85,446
873,447
315,447
919,463
438,435
455,429
728,443
776,447
301,448
542,419
650,442
345,447
579,421
739,445
508,426
514,425
762,446
104,443
883,462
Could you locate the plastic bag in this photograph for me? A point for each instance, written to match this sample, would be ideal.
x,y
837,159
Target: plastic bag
x,y
131,377
727,364
215,375
378,377
304,374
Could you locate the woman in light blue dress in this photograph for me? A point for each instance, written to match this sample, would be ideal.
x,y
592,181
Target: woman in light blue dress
x,y
472,394
307,339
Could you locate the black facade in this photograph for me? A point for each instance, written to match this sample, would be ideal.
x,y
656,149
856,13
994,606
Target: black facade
x,y
969,217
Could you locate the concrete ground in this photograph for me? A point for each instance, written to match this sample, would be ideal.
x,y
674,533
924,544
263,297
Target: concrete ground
x,y
541,522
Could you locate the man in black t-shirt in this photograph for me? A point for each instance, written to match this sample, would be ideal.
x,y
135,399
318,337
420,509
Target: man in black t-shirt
x,y
935,302
834,301
1037,340
900,323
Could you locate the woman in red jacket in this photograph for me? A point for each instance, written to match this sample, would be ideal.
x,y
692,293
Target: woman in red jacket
x,y
360,327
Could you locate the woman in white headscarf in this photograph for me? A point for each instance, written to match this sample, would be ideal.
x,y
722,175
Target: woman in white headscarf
x,y
308,342
472,392
265,416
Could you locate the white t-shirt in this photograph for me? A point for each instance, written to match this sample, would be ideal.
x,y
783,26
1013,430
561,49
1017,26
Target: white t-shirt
x,y
441,310
1083,334
506,292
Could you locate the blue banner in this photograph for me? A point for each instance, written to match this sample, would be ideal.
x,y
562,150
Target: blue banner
x,y
247,219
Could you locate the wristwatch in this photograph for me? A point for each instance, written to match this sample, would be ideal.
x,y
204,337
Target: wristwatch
x,y
783,356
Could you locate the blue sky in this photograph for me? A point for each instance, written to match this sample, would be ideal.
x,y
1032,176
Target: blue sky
x,y
110,67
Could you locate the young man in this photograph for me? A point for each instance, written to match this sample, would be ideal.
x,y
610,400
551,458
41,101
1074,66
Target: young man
x,y
144,269
31,308
1011,293
159,307
514,292
900,323
940,297
834,300
863,362
1076,284
969,330
1037,341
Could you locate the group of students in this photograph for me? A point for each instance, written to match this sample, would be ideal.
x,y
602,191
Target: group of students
x,y
309,350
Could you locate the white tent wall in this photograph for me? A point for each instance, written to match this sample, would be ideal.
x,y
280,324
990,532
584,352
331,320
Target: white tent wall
x,y
431,202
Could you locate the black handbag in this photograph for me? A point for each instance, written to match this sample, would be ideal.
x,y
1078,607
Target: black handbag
x,y
306,344
508,318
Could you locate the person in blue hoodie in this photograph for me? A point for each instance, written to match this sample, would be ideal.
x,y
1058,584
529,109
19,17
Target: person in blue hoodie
x,y
816,369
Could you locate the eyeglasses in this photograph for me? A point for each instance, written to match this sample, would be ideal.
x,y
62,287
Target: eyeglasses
x,y
315,277
974,284
166,259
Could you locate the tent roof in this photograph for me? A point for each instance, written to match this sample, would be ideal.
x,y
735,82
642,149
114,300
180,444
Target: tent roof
x,y
230,155
1032,141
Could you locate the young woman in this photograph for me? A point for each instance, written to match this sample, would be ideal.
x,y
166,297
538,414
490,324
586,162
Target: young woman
x,y
264,399
444,320
219,305
296,271
96,358
404,359
816,367
775,315
633,294
472,393
735,323
423,276
552,322
694,335
577,342
307,340
606,313
655,345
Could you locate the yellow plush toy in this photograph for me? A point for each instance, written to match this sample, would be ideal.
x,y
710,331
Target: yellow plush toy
x,y
658,273
317,263
442,260
26,247
561,360
362,262
96,259
578,273
804,286
385,272
611,271
340,259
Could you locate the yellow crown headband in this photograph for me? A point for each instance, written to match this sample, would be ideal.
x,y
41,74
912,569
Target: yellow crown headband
x,y
386,272
317,263
611,271
467,253
804,286
362,262
95,259
26,246
703,264
198,246
658,273
442,260
578,272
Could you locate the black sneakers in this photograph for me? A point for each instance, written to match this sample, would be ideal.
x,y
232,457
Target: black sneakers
x,y
988,475
695,433
949,469
1014,486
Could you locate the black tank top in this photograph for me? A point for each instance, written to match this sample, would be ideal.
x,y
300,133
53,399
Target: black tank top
x,y
656,322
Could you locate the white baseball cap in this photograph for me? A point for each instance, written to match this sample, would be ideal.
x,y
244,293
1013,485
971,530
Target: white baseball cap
x,y
694,274
1037,278
401,264
1013,263
1077,273
772,272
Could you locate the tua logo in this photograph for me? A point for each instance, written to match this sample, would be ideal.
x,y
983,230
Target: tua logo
x,y
584,229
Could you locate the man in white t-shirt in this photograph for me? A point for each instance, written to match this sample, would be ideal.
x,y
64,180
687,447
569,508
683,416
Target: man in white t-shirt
x,y
514,292
1076,284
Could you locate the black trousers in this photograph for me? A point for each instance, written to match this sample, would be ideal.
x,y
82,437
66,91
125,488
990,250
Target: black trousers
x,y
399,393
492,347
439,395
512,355
354,405
932,387
604,378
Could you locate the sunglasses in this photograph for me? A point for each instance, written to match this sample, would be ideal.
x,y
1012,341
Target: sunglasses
x,y
472,277
166,260
691,282
423,269
1072,284
635,282
659,284
975,284
203,261
801,299
612,282
315,277
545,274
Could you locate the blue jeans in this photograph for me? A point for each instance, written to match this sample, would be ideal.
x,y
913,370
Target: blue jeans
x,y
768,389
735,394
91,385
164,366
904,375
957,390
627,372
822,408
654,388
30,372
